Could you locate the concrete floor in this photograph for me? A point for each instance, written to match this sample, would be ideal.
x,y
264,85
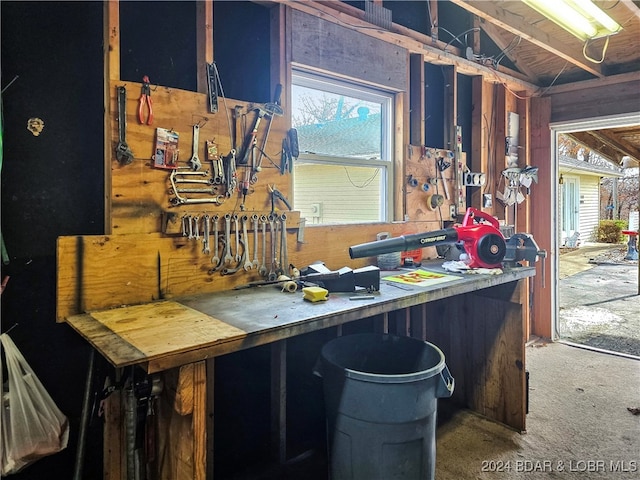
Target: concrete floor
x,y
578,426
598,299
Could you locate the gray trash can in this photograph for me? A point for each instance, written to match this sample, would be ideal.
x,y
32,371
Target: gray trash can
x,y
381,396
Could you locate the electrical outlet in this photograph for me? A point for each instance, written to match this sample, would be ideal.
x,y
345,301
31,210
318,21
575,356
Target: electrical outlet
x,y
316,210
452,211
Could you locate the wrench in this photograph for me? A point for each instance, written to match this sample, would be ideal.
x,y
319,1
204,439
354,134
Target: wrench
x,y
246,254
272,273
235,221
194,180
215,259
196,227
284,261
205,238
219,200
263,267
210,191
190,237
123,153
185,228
228,258
256,263
229,271
194,161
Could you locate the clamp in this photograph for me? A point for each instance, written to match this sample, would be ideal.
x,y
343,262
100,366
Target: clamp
x,y
145,97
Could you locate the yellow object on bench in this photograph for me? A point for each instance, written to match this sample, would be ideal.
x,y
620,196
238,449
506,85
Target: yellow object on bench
x,y
315,294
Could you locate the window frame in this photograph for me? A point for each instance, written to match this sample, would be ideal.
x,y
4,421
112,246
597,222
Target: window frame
x,y
357,89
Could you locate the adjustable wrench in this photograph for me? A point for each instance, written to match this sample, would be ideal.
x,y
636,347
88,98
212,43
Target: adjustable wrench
x,y
256,263
194,161
205,237
246,254
123,153
215,259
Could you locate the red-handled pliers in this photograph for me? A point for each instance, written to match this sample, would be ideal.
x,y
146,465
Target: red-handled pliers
x,y
145,97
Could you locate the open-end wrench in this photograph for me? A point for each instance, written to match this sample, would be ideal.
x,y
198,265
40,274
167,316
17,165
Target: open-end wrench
x,y
237,230
246,254
205,237
219,200
194,161
210,191
215,259
263,268
254,219
229,271
194,180
185,227
272,271
228,258
190,218
284,260
123,153
196,227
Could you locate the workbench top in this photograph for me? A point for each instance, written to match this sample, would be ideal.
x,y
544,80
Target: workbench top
x,y
169,333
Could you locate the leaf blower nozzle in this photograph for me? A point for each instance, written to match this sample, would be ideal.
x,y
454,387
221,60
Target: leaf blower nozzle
x,y
483,242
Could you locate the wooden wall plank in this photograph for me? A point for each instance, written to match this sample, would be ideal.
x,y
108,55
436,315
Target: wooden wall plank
x,y
334,48
140,193
542,196
96,272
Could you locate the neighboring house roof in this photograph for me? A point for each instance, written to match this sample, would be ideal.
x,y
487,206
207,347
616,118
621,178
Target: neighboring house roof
x,y
353,137
594,166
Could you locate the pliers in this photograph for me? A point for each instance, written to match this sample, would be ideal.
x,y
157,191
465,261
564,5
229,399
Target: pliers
x,y
145,97
277,194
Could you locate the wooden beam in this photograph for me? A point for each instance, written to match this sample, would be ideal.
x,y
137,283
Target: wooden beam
x,y
494,34
543,197
204,42
589,141
610,81
432,54
517,25
416,100
632,6
111,36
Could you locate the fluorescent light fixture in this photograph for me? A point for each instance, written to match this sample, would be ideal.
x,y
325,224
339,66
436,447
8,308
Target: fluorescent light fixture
x,y
581,18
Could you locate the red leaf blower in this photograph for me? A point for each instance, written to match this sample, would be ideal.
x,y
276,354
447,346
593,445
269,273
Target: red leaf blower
x,y
480,234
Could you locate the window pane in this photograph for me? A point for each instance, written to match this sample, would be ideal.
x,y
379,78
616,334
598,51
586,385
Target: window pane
x,y
335,124
337,193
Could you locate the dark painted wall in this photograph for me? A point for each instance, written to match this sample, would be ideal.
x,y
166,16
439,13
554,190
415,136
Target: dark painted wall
x,y
52,185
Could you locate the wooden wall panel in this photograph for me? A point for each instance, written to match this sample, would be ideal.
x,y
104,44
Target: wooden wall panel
x,y
340,50
140,192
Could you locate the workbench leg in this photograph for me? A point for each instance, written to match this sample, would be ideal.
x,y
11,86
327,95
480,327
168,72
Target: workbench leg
x,y
210,422
279,400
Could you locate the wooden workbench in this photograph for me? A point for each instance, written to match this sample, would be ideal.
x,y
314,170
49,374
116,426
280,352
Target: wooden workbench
x,y
477,320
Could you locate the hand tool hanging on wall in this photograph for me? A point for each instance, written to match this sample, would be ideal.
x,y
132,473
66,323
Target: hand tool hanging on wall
x,y
276,101
442,166
145,99
267,109
194,161
124,155
212,87
290,150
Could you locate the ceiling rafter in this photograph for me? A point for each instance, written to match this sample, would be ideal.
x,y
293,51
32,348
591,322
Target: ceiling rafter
x,y
616,142
517,25
494,34
603,149
632,6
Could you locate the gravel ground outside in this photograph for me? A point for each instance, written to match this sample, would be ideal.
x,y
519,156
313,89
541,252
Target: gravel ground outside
x,y
598,299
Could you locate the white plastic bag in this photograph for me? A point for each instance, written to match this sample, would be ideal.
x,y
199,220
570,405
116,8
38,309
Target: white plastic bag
x,y
32,425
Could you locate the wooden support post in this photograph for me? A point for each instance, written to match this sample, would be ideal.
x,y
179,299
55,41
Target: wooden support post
x,y
204,42
542,196
279,400
416,100
209,420
199,421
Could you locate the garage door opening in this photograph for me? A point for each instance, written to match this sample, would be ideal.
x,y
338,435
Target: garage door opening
x,y
597,294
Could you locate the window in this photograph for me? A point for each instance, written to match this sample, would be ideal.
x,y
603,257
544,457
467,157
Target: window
x,y
344,171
